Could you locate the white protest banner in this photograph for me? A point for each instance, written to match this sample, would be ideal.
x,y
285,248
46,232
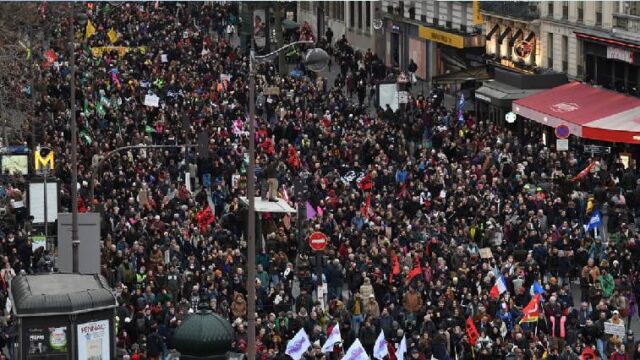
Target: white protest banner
x,y
614,329
164,58
151,100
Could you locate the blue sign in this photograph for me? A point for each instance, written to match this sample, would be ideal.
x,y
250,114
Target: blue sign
x,y
595,220
206,180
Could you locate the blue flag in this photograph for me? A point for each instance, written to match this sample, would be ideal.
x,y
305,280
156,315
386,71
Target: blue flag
x,y
595,220
461,109
536,288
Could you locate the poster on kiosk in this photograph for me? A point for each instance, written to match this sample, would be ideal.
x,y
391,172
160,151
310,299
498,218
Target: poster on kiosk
x,y
93,340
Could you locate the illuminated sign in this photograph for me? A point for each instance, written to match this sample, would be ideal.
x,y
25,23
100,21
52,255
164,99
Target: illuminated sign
x,y
441,37
45,162
523,48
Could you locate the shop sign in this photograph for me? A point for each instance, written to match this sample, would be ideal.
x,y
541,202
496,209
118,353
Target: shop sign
x,y
510,117
483,98
523,48
564,107
620,54
441,37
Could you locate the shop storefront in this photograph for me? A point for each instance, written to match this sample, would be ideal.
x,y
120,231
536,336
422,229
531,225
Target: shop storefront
x,y
611,63
494,98
590,115
452,52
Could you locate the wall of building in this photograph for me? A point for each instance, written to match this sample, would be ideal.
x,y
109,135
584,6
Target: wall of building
x,y
337,16
559,22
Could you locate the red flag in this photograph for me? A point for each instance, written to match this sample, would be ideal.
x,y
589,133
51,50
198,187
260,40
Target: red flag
x,y
205,218
417,270
366,183
50,58
395,268
365,208
584,172
532,310
472,332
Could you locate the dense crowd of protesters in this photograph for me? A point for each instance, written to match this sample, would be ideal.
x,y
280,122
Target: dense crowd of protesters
x,y
394,191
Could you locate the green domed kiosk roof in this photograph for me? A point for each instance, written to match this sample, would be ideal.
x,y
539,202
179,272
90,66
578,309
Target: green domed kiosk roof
x,y
203,335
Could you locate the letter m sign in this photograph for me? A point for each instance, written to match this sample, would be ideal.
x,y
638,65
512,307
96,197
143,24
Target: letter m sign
x,y
45,162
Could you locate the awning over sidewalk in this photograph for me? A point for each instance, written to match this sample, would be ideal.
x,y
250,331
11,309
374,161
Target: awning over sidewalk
x,y
589,112
478,73
501,94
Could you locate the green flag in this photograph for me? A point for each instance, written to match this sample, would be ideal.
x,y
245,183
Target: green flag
x,y
100,110
149,129
87,139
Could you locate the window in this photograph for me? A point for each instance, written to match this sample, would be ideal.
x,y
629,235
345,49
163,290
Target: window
x,y
360,14
565,53
352,14
565,10
448,24
367,10
550,50
580,6
598,13
401,8
579,56
550,8
633,8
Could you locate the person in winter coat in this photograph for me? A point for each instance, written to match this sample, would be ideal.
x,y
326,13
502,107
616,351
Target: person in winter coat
x,y
366,289
412,303
371,308
239,306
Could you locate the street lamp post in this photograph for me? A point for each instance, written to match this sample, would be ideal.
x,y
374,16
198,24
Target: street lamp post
x,y
75,241
315,59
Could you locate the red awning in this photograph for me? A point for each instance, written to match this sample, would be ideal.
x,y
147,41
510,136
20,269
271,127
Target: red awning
x,y
607,41
589,112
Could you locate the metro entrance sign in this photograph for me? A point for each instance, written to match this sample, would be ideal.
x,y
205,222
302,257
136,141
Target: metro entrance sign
x,y
318,241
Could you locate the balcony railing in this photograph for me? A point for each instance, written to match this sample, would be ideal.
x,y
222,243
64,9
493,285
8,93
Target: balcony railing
x,y
527,10
626,22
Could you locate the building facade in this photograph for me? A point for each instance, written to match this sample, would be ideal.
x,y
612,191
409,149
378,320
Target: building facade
x,y
441,37
593,41
355,19
512,31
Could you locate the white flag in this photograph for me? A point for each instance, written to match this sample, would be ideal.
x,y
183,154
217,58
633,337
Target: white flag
x,y
333,338
402,348
380,348
356,352
297,346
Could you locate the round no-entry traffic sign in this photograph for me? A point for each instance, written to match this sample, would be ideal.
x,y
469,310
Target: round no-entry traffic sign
x,y
562,132
318,241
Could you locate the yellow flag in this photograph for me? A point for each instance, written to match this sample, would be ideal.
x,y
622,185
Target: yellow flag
x,y
90,30
477,17
113,36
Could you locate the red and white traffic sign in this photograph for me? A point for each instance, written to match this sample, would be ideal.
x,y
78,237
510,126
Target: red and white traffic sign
x,y
318,241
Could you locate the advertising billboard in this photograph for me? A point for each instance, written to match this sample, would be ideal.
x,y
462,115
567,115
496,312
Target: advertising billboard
x,y
93,340
47,341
